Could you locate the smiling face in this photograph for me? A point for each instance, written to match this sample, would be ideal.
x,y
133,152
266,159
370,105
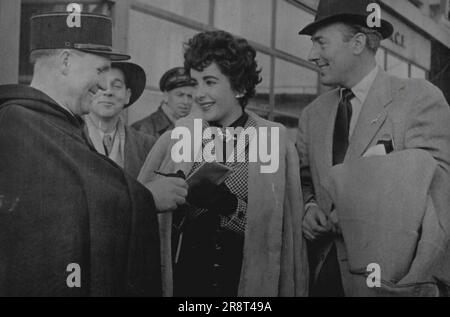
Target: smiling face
x,y
179,100
85,76
110,102
215,97
332,55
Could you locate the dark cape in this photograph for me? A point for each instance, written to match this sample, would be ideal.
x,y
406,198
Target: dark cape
x,y
61,202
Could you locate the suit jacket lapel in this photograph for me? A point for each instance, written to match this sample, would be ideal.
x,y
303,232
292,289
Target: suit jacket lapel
x,y
372,116
323,134
328,144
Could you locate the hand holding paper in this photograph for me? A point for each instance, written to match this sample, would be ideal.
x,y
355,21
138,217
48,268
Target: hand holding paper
x,y
207,190
215,198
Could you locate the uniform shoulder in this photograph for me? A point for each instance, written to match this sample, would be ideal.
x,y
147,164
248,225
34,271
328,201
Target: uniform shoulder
x,y
15,110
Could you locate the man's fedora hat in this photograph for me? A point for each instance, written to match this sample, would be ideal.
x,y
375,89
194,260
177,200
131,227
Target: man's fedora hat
x,y
92,35
348,11
175,78
135,79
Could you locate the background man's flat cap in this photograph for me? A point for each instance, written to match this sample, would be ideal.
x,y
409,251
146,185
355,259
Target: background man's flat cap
x,y
175,78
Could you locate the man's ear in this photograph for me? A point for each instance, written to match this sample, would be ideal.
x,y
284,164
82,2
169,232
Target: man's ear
x,y
64,61
128,96
359,43
166,96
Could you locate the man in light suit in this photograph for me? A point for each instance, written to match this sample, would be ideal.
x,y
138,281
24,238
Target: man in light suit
x,y
370,112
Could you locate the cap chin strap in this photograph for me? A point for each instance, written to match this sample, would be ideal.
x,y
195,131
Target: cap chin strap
x,y
97,47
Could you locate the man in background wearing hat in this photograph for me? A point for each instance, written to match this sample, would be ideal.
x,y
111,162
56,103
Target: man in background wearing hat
x,y
126,146
177,87
370,112
72,223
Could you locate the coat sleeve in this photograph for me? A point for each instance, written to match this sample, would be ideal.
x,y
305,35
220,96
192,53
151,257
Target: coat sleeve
x,y
294,266
303,155
428,128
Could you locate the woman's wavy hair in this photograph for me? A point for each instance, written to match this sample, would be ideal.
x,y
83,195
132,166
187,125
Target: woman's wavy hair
x,y
234,57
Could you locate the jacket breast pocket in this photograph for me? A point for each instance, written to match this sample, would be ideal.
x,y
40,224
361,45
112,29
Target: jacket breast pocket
x,y
386,137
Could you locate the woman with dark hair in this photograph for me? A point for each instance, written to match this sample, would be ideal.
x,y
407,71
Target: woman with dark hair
x,y
242,237
234,58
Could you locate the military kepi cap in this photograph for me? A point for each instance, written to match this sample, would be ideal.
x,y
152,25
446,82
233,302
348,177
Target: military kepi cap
x,y
347,11
90,33
175,78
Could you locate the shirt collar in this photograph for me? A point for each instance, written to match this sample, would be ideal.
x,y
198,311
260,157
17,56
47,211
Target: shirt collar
x,y
361,89
94,124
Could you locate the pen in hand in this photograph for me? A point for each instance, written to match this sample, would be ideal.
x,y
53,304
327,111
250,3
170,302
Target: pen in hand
x,y
179,174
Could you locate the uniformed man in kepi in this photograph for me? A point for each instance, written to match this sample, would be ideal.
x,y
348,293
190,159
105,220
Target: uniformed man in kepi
x,y
72,223
177,86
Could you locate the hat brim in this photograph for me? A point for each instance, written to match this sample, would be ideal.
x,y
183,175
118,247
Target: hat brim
x,y
109,55
386,29
135,79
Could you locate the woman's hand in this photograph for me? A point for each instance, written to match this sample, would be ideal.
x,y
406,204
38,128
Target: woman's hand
x,y
168,192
